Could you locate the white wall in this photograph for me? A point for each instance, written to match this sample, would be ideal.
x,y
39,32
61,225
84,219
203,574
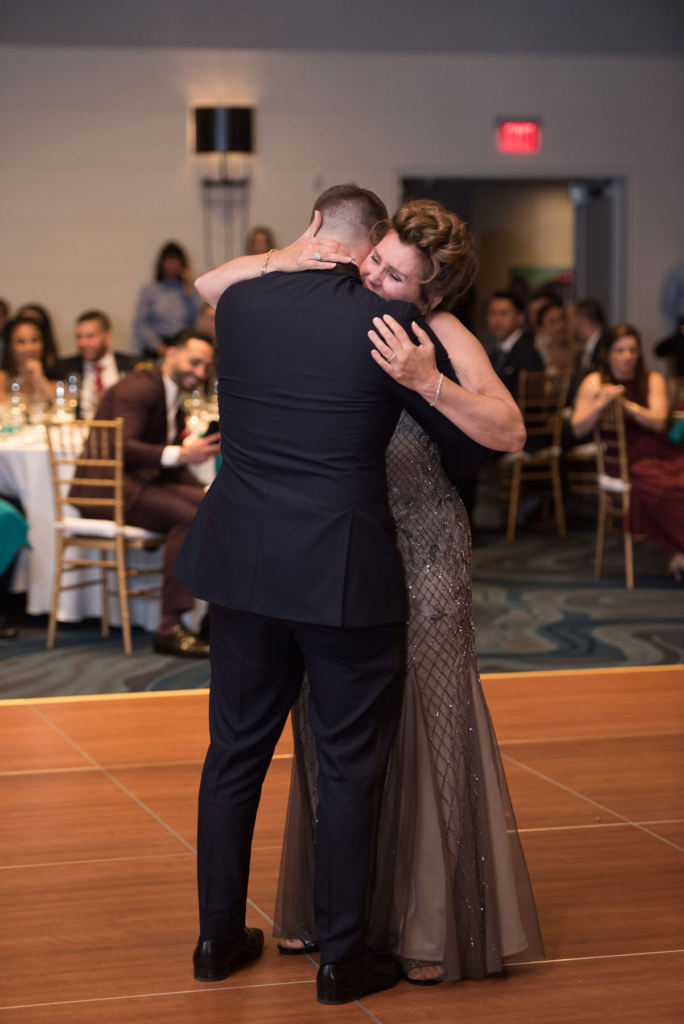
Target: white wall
x,y
96,168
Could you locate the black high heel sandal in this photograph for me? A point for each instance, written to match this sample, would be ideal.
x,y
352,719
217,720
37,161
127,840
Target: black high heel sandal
x,y
309,947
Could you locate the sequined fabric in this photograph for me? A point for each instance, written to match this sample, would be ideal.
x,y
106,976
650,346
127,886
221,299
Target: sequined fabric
x,y
450,884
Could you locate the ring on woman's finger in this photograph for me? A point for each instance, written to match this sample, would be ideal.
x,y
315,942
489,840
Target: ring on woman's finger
x,y
317,256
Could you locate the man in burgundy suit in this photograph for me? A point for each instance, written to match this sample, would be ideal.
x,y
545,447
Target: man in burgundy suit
x,y
160,492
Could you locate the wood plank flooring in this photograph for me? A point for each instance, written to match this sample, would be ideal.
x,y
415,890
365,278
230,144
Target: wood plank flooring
x,y
97,868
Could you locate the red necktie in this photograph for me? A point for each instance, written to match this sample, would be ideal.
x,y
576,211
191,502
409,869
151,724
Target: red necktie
x,y
99,386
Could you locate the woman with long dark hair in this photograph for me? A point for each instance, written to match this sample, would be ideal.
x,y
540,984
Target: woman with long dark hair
x,y
25,359
167,305
656,466
40,314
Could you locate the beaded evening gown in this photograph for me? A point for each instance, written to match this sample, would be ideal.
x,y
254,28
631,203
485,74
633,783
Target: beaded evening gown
x,y
450,883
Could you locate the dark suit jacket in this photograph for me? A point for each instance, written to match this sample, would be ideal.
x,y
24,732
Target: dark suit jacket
x,y
523,356
74,364
581,372
140,399
297,523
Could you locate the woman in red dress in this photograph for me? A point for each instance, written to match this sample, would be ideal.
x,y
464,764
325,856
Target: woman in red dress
x,y
656,466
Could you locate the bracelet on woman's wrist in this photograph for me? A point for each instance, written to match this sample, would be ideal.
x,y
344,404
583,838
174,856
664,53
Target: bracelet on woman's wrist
x,y
439,388
265,263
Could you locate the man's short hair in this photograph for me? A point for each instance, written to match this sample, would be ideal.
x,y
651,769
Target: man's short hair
x,y
511,297
592,310
190,334
96,314
352,203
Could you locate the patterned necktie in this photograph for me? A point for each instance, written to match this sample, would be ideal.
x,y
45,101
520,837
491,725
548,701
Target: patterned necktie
x,y
99,386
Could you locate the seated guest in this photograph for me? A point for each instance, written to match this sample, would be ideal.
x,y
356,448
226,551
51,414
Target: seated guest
x,y
515,349
656,466
168,305
160,492
556,347
24,360
589,327
40,314
260,241
98,367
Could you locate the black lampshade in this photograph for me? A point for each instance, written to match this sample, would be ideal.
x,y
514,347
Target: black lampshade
x,y
223,130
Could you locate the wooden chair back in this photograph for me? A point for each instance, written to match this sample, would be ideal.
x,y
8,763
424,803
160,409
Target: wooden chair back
x,y
88,453
611,443
541,400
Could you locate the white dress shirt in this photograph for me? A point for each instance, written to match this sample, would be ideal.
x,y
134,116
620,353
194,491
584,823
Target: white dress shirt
x,y
109,375
507,344
171,452
588,349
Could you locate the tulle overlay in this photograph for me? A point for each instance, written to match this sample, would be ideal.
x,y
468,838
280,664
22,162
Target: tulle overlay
x,y
451,883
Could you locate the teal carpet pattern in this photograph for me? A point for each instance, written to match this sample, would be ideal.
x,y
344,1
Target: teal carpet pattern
x,y
536,607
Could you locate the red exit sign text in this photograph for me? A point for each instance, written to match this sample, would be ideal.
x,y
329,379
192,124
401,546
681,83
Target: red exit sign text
x,y
518,137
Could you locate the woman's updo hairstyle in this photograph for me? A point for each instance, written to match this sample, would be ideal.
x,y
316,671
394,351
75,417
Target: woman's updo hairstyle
x,y
446,245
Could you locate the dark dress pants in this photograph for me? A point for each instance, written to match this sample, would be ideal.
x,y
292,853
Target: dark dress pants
x,y
169,508
356,677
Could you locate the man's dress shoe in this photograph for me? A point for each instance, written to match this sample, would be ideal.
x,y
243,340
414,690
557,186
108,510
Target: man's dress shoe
x,y
182,643
344,983
215,959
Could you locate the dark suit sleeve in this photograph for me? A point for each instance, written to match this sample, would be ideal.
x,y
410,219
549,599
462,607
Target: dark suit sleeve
x,y
124,362
135,402
460,454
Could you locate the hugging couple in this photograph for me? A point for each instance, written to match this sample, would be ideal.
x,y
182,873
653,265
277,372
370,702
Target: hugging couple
x,y
335,554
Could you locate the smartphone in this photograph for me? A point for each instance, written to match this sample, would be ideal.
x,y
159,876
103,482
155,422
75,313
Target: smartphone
x,y
213,428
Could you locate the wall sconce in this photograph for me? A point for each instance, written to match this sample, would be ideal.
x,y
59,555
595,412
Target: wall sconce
x,y
224,130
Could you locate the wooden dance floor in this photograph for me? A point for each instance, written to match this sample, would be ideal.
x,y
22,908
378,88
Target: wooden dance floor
x,y
97,830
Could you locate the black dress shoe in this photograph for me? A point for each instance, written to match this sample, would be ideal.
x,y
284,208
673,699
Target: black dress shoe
x,y
345,983
215,959
182,643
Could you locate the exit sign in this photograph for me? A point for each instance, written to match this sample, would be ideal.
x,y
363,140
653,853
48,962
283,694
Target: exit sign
x,y
518,137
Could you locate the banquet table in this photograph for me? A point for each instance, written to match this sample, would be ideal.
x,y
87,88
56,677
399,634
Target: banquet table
x,y
25,474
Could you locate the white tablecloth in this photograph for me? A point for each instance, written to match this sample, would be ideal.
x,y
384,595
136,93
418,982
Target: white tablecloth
x,y
25,474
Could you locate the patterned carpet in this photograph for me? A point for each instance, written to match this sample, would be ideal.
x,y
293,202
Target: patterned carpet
x,y
537,607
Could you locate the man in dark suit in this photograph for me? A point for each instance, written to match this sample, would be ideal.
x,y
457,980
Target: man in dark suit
x,y
514,342
160,492
589,328
97,366
294,546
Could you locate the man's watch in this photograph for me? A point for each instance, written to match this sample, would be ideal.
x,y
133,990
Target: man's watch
x,y
183,457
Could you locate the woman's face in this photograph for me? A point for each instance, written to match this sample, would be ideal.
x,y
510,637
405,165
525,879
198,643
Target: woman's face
x,y
392,269
552,324
172,268
26,343
623,357
260,244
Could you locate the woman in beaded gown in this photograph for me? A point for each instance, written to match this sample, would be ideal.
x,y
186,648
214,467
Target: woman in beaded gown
x,y
451,895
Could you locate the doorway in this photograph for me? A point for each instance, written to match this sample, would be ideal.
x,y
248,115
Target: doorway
x,y
568,233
